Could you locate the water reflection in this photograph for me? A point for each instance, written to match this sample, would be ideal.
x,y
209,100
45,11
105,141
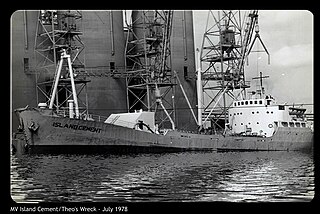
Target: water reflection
x,y
185,176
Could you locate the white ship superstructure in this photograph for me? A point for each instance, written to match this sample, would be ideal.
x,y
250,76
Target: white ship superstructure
x,y
262,117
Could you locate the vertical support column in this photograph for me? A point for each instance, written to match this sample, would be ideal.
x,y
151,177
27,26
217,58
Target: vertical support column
x,y
73,86
199,90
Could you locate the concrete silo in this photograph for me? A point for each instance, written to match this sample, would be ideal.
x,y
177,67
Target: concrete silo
x,y
183,62
104,41
23,82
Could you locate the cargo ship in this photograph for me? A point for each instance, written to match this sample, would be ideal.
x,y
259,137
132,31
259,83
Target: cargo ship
x,y
251,123
254,124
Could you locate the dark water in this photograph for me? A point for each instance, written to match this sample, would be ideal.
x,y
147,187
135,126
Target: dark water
x,y
184,176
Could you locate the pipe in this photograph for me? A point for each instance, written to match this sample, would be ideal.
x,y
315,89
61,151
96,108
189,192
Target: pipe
x,y
56,81
185,96
25,30
199,90
184,35
112,33
70,108
165,111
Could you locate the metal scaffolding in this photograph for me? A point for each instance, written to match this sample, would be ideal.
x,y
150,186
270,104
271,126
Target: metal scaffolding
x,y
59,31
225,47
149,76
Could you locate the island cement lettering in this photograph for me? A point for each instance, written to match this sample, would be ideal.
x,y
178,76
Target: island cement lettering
x,y
76,127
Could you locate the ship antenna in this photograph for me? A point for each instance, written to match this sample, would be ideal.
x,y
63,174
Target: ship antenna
x,y
261,85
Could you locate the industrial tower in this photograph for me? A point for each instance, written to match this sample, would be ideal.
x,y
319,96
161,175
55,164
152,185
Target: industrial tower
x,y
59,31
150,79
227,41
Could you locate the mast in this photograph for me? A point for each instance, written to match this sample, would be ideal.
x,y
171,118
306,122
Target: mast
x,y
261,86
64,55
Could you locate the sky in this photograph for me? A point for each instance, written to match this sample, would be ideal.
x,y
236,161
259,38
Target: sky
x,y
288,36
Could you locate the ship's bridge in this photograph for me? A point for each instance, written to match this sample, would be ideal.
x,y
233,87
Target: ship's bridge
x,y
256,116
269,100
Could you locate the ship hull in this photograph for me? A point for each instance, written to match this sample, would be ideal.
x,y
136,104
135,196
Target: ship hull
x,y
45,133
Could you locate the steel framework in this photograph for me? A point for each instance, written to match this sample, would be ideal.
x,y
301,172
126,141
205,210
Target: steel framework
x,y
225,47
149,76
58,31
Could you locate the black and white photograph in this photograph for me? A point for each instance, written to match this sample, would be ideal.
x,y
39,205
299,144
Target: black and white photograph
x,y
133,106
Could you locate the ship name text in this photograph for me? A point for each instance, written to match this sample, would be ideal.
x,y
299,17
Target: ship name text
x,y
77,127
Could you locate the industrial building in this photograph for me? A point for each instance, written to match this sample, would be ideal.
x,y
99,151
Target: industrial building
x,y
98,42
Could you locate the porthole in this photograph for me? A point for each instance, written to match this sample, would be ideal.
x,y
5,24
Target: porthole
x,y
257,122
241,124
246,102
267,112
257,112
241,113
271,112
252,112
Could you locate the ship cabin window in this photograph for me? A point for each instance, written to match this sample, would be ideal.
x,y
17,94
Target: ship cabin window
x,y
297,124
268,102
251,102
303,125
284,124
271,112
241,124
291,124
281,107
253,112
267,112
246,102
260,101
257,122
238,103
255,102
242,103
276,123
235,104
